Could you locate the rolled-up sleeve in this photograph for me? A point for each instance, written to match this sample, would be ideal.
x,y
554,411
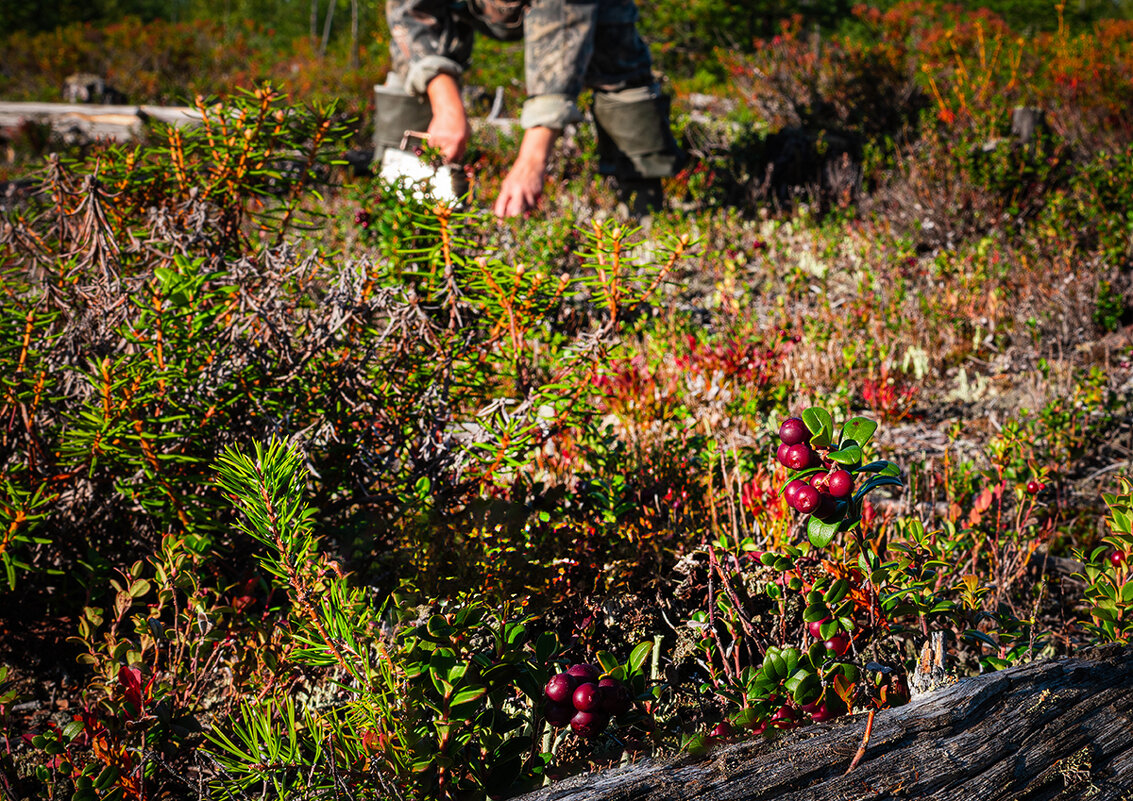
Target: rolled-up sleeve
x,y
550,111
426,40
421,72
558,47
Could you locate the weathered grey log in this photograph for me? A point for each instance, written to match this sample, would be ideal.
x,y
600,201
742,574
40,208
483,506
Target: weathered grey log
x,y
1057,729
93,121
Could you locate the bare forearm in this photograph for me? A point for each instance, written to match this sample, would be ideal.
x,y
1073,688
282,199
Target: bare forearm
x,y
449,131
444,94
535,149
523,185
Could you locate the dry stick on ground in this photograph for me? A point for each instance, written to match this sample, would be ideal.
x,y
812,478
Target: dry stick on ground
x,y
1052,729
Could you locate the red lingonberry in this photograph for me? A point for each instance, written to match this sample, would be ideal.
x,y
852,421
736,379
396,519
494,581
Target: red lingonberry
x,y
588,697
807,499
793,431
798,456
560,688
840,483
584,672
791,491
839,644
589,724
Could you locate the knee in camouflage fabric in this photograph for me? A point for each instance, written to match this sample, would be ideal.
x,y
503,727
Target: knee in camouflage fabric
x,y
396,112
634,138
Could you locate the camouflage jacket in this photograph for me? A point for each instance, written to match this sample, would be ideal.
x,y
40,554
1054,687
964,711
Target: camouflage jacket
x,y
568,45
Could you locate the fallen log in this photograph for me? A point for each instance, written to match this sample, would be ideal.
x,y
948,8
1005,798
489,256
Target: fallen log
x,y
1057,729
89,121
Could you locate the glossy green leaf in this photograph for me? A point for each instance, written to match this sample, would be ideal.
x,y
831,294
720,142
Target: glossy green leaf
x,y
880,467
638,656
791,658
874,483
437,627
808,689
471,694
815,613
107,777
851,455
859,429
820,425
837,591
545,647
973,634
792,683
606,660
820,533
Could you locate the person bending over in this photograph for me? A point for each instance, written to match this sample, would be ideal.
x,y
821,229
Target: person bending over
x,y
568,46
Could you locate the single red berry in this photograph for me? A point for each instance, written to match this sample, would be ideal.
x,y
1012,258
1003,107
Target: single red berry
x,y
798,456
840,483
1035,487
839,644
1117,558
793,431
588,697
559,715
781,454
560,688
807,499
791,491
823,713
815,627
785,718
584,672
820,481
589,724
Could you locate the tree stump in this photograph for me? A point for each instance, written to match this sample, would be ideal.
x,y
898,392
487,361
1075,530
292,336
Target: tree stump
x,y
1057,729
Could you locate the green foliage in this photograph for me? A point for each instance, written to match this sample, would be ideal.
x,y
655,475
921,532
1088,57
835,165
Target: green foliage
x,y
492,448
1106,571
438,707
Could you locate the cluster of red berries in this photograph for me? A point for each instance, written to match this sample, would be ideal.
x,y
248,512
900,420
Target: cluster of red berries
x,y
362,218
579,697
821,494
839,643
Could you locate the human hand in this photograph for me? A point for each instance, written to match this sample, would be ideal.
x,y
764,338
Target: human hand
x,y
523,185
449,133
449,130
521,189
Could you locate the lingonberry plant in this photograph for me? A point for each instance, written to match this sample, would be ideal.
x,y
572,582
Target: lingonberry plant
x,y
824,466
1107,572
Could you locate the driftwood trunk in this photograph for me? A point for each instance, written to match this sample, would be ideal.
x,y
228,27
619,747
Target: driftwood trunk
x,y
1058,729
85,121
